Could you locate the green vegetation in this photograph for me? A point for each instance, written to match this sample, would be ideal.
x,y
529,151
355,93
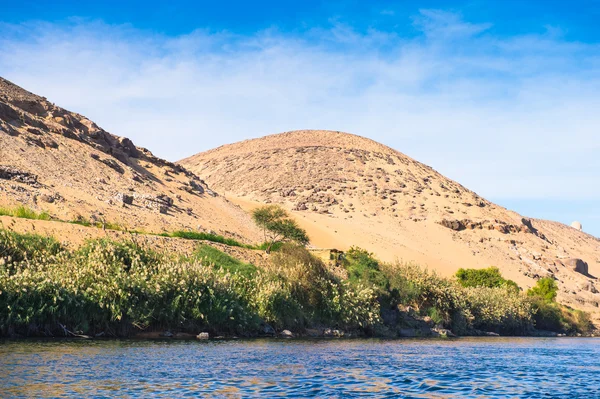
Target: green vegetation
x,y
80,220
550,315
363,268
209,255
24,213
278,227
118,288
16,248
490,278
192,235
545,289
463,309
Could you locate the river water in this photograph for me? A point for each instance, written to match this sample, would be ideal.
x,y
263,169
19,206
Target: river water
x,y
461,368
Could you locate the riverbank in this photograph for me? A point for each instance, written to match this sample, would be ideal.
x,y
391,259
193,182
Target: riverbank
x,y
120,289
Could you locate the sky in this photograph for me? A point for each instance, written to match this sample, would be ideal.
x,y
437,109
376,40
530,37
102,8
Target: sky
x,y
503,97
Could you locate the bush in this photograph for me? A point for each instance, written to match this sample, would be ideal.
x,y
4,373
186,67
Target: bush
x,y
490,278
552,316
324,298
545,288
117,287
16,247
459,308
363,268
497,309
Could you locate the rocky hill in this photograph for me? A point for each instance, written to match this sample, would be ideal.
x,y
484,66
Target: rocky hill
x,y
60,162
348,190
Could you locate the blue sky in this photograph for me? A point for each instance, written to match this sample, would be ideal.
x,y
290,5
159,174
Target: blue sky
x,y
500,96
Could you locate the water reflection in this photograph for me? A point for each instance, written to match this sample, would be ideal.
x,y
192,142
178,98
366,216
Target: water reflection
x,y
495,367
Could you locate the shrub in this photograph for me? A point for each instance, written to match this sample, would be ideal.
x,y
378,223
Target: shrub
x,y
428,290
460,308
363,268
16,247
545,288
499,310
489,278
548,315
307,278
552,316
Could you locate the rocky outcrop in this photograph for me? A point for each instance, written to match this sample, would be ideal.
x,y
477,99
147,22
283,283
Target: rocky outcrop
x,y
21,176
498,225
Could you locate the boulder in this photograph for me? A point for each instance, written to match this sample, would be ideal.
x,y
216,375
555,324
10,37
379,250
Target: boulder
x,y
47,198
286,334
128,147
455,225
124,198
203,336
408,332
301,206
443,332
577,265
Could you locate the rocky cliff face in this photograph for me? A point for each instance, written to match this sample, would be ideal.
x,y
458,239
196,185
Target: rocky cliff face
x,y
349,190
63,163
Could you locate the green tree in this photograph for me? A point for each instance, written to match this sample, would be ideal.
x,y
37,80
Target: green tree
x,y
545,288
277,226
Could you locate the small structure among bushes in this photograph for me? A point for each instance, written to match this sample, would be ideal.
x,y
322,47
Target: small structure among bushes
x,y
332,256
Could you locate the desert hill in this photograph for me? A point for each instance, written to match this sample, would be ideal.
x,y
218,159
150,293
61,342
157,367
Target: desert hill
x,y
348,190
60,162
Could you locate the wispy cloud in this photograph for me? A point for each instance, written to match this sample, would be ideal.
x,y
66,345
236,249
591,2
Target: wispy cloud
x,y
510,117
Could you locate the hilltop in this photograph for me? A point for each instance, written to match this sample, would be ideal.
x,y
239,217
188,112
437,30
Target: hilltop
x,y
348,190
62,163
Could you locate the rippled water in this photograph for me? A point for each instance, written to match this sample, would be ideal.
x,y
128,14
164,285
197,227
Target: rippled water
x,y
483,367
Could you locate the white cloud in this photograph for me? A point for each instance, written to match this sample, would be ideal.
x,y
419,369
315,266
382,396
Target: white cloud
x,y
508,117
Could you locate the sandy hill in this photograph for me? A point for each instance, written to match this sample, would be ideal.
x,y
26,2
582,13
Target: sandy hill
x,y
63,163
348,190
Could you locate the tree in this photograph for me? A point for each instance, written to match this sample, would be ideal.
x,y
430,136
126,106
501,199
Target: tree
x,y
277,226
545,288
